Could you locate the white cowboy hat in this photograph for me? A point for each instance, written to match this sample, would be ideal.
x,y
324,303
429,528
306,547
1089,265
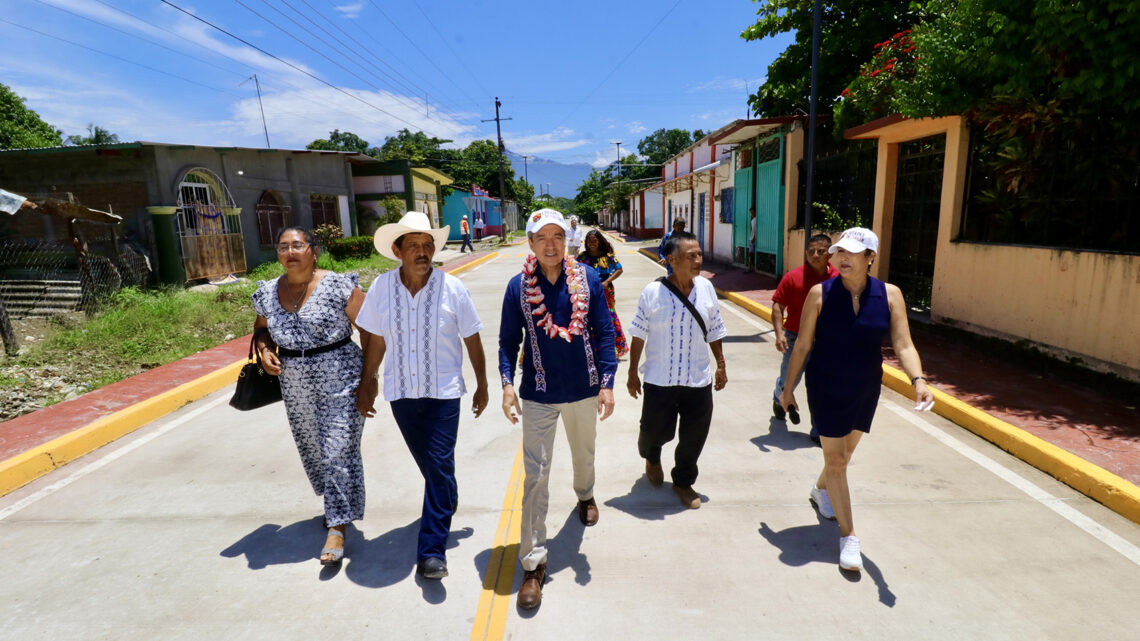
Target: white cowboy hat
x,y
412,222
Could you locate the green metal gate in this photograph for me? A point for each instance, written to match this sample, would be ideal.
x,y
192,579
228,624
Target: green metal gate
x,y
759,183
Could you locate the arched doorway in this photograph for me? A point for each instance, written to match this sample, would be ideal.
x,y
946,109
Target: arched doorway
x,y
209,226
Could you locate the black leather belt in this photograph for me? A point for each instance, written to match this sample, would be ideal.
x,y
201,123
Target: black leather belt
x,y
282,351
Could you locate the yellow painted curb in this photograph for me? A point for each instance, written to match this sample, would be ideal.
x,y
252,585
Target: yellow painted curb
x,y
1095,482
607,232
478,261
28,466
1114,492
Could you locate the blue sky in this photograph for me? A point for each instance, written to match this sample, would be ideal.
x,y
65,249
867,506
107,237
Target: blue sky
x,y
573,76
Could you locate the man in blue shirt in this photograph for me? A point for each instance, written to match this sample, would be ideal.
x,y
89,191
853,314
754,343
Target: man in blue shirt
x,y
678,226
559,307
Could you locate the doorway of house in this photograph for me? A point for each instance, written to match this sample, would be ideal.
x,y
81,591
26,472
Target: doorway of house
x,y
914,230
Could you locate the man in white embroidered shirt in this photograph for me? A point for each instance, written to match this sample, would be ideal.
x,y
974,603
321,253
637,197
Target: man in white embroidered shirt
x,y
422,314
679,378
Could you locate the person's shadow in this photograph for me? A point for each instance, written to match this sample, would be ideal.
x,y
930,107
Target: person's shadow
x,y
372,563
650,503
564,551
779,437
815,544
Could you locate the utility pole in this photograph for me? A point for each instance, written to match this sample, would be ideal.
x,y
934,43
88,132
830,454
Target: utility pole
x,y
525,174
259,105
502,148
618,143
808,192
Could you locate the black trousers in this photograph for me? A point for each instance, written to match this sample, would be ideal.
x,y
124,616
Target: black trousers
x,y
660,409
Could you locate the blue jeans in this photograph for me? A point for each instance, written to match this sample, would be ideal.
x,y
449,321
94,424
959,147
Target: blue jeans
x,y
791,338
429,426
466,244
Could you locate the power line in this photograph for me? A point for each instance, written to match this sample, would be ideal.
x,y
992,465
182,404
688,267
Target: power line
x,y
417,90
444,40
302,96
426,57
119,58
620,62
285,62
311,48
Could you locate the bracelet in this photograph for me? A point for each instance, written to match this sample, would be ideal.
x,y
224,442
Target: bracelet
x,y
917,379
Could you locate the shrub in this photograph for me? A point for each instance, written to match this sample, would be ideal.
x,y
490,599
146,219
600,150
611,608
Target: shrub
x,y
325,234
354,247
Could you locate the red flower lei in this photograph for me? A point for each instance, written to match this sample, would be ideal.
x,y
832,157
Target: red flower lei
x,y
575,282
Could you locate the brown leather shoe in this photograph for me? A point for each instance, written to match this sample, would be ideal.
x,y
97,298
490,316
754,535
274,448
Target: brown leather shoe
x,y
530,593
689,497
654,473
588,512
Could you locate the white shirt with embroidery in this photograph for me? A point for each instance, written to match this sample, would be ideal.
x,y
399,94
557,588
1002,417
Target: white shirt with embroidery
x,y
422,334
676,353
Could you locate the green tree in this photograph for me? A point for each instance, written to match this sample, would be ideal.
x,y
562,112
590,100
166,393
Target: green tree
x,y
417,147
478,164
22,128
849,29
96,135
344,141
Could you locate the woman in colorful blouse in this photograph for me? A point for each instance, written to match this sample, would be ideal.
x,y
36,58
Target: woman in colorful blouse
x,y
599,254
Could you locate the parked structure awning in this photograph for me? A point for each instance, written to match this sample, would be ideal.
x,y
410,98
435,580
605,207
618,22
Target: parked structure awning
x,y
739,131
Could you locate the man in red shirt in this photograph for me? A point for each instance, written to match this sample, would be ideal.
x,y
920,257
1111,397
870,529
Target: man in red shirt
x,y
789,297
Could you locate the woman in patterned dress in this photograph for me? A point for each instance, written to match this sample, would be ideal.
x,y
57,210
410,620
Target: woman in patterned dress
x,y
599,254
303,333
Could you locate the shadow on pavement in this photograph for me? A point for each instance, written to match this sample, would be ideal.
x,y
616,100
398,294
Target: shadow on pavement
x,y
565,550
272,544
779,437
649,503
805,544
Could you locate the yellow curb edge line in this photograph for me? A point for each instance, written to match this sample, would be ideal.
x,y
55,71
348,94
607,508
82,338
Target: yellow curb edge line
x,y
28,466
34,463
1115,493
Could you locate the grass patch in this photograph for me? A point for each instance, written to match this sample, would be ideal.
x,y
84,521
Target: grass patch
x,y
142,329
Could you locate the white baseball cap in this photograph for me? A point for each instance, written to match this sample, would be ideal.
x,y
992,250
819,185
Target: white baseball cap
x,y
856,240
544,217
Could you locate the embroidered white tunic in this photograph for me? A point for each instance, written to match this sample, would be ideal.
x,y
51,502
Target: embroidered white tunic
x,y
422,334
675,351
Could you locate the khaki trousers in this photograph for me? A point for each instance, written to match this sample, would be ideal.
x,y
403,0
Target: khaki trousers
x,y
540,422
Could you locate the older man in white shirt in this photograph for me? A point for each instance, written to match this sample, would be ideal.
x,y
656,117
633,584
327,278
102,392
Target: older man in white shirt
x,y
677,322
418,315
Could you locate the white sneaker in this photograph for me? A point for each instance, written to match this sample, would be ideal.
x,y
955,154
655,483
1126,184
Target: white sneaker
x,y
822,502
850,558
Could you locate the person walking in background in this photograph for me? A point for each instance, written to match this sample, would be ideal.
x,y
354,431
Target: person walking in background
x,y
574,237
789,298
844,323
599,254
678,226
676,318
423,314
751,238
303,333
480,224
465,234
556,308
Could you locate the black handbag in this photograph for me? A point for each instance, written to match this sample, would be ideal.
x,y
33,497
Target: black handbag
x,y
255,387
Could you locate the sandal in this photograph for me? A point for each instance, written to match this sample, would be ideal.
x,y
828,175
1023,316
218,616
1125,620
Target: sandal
x,y
336,553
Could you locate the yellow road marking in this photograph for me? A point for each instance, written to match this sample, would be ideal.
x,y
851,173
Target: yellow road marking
x,y
495,600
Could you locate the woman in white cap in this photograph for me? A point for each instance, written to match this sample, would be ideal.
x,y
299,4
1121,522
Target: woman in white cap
x,y
845,321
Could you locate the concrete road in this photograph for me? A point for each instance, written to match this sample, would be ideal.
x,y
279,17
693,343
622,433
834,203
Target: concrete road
x,y
202,526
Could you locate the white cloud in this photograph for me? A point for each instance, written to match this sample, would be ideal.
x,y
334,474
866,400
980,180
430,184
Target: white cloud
x,y
601,160
558,140
351,10
636,127
727,84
